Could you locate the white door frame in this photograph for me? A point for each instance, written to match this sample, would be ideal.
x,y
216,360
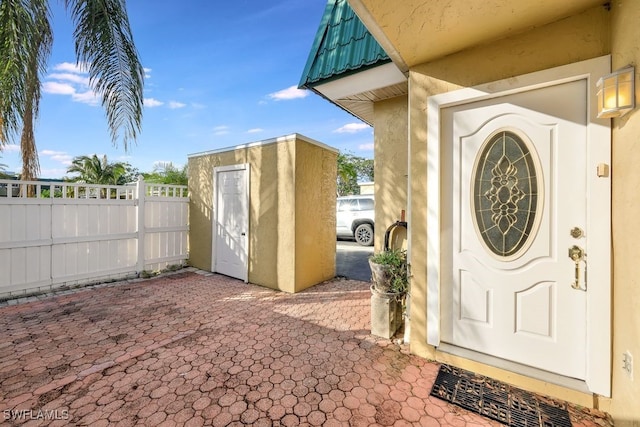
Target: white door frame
x,y
598,340
214,213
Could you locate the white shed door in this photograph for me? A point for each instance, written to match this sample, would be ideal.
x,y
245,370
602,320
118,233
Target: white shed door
x,y
514,203
231,221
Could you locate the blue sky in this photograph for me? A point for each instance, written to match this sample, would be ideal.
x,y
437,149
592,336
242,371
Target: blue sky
x,y
219,74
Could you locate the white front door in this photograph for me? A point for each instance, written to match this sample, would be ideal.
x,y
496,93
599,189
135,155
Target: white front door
x,y
520,179
517,190
231,221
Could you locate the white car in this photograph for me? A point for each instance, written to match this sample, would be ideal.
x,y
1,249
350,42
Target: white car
x,y
355,218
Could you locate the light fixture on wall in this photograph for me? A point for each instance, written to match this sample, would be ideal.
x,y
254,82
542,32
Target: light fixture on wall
x,y
616,93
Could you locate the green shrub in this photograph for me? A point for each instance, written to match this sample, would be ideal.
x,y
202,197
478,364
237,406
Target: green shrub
x,y
395,265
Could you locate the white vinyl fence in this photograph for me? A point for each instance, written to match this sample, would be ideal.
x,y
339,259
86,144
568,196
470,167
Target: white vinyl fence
x,y
61,233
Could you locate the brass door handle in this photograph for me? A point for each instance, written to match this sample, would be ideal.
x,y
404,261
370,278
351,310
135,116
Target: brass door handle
x,y
577,255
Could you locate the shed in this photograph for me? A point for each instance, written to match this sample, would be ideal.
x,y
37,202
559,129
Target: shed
x,y
264,212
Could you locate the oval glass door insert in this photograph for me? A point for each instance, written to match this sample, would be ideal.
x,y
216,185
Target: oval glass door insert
x,y
505,200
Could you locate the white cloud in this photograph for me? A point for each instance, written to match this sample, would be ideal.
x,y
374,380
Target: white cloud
x,y
175,104
71,67
221,130
291,92
59,156
71,80
70,77
151,102
9,148
255,130
352,128
57,88
366,147
87,97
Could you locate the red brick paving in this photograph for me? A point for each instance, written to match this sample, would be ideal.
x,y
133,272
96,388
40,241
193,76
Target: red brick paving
x,y
195,349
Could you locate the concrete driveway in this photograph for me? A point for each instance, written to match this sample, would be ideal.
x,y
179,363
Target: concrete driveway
x,y
197,349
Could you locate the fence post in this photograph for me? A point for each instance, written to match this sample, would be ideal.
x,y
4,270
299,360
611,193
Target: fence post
x,y
140,193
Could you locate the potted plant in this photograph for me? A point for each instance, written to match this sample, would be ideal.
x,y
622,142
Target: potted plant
x,y
389,287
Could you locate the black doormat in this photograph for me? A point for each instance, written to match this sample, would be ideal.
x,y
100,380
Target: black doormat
x,y
499,401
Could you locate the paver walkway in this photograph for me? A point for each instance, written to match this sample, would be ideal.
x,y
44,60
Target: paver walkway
x,y
193,349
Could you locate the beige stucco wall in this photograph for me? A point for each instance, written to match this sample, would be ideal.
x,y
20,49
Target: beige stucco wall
x,y
573,39
315,215
274,181
390,165
625,50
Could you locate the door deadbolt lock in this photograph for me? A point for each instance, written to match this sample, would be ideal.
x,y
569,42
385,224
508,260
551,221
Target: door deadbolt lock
x,y
576,232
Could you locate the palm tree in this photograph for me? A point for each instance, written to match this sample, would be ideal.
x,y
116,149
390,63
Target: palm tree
x,y
93,170
167,173
103,43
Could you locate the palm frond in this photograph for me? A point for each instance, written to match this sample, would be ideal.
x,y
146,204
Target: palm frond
x,y
103,40
25,45
95,170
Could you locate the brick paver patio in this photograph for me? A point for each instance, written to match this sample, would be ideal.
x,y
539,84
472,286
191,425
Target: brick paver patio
x,y
194,349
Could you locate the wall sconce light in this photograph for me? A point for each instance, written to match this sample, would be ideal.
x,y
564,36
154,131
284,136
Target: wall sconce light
x,y
616,93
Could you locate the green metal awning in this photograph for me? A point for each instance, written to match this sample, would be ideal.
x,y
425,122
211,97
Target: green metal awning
x,y
342,46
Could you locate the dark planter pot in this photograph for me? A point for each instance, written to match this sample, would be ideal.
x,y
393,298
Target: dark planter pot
x,y
380,277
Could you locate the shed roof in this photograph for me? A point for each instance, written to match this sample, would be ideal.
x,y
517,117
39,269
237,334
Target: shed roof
x,y
284,138
342,46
